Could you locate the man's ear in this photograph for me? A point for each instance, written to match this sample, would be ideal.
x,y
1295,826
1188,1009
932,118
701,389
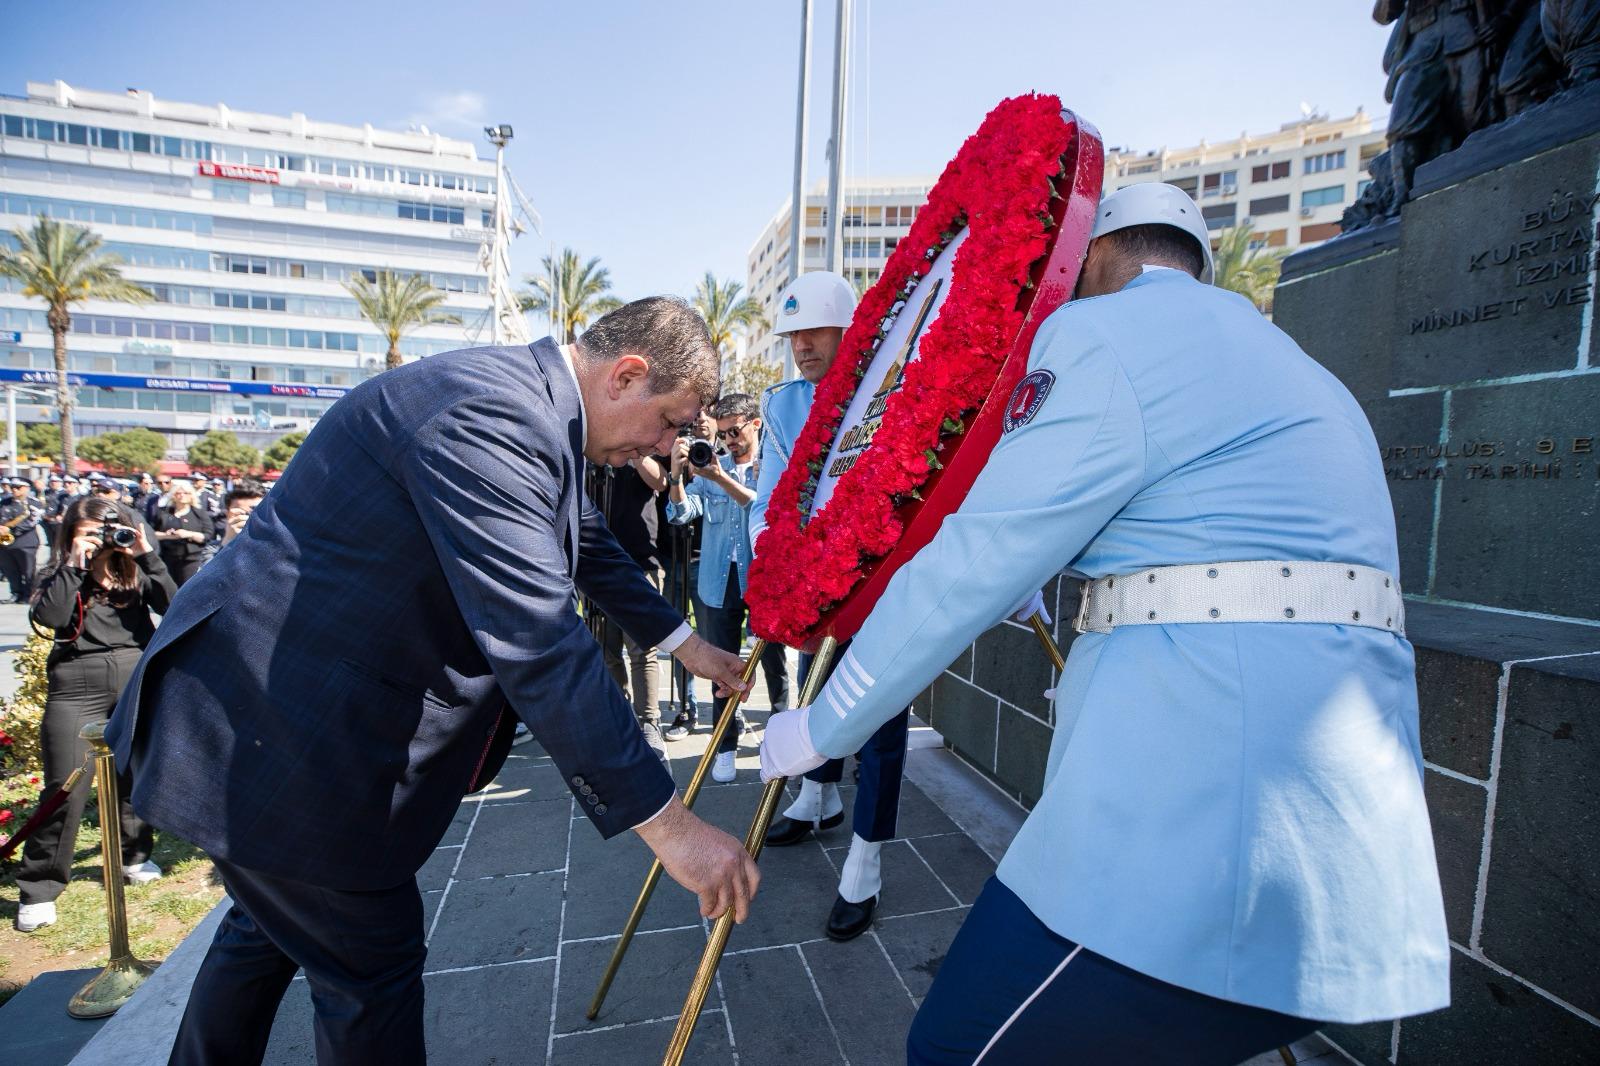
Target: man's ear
x,y
628,372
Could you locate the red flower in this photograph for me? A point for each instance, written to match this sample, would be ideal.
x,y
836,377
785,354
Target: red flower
x,y
5,815
999,187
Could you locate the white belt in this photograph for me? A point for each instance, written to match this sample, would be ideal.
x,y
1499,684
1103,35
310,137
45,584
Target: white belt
x,y
1290,592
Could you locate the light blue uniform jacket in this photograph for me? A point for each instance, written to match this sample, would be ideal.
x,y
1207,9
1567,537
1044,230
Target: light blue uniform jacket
x,y
1233,808
724,536
784,409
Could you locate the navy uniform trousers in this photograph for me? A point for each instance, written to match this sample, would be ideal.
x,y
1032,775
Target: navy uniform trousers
x,y
883,762
1012,993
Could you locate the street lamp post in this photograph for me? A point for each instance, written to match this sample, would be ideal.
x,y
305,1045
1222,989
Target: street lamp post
x,y
507,326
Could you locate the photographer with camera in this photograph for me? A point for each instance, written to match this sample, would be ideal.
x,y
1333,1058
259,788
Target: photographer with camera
x,y
103,579
721,492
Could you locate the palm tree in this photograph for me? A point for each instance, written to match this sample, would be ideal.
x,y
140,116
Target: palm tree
x,y
62,264
725,311
396,303
1250,272
570,294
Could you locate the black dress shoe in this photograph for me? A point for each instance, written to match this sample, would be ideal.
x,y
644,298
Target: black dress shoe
x,y
786,831
849,920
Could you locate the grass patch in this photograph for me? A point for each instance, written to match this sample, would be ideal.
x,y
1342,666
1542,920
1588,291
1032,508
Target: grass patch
x,y
160,913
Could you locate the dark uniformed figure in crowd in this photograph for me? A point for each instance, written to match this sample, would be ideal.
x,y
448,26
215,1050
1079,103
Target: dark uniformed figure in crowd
x,y
55,499
19,531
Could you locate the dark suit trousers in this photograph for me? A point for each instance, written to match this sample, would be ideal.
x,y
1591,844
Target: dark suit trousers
x,y
362,953
17,563
724,628
883,762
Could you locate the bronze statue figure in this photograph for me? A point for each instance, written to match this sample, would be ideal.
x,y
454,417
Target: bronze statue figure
x,y
1457,66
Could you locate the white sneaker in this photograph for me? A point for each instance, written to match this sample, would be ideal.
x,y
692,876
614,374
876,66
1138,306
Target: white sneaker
x,y
31,916
722,768
142,874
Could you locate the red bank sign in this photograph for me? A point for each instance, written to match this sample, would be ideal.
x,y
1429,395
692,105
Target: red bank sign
x,y
238,172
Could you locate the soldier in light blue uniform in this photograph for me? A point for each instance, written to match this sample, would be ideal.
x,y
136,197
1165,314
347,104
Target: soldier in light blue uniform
x,y
1232,843
814,311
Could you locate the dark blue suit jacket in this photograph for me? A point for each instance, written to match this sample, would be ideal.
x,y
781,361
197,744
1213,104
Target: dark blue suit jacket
x,y
319,697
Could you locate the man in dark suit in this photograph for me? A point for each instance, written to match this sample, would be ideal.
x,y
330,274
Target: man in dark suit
x,y
319,697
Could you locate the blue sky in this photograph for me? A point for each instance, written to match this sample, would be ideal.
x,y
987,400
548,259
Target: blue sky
x,y
659,136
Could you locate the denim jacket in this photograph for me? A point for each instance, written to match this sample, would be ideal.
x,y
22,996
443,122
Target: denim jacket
x,y
725,536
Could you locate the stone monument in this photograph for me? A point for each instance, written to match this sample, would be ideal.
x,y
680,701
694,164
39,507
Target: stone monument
x,y
1459,308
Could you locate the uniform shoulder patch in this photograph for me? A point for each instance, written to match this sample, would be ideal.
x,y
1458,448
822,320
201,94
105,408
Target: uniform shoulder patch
x,y
1027,398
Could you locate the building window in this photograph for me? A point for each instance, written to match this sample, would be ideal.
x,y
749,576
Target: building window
x,y
1223,183
431,213
288,198
1322,231
1270,171
1269,205
1333,194
1220,216
1319,164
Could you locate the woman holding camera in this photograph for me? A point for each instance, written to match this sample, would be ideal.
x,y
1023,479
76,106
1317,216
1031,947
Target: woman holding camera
x,y
103,580
184,530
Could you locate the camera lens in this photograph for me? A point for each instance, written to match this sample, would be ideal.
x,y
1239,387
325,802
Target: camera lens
x,y
123,537
701,454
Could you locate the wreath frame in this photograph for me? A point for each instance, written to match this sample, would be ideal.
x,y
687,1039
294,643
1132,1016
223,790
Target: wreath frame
x,y
1025,185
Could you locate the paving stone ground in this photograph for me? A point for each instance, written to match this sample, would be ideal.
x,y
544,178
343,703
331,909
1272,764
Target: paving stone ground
x,y
525,902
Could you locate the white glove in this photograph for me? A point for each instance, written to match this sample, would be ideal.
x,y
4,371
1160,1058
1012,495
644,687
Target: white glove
x,y
786,749
1026,609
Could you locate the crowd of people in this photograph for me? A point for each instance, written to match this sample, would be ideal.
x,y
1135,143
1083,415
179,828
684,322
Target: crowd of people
x,y
117,553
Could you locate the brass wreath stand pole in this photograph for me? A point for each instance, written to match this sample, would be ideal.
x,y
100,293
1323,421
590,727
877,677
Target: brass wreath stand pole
x,y
123,974
753,843
724,723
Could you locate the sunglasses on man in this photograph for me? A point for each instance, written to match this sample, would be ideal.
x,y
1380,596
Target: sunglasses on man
x,y
732,432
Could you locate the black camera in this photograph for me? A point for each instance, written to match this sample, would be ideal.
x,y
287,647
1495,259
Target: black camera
x,y
702,454
113,535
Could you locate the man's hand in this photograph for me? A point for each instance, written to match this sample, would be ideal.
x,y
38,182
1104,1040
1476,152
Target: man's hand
x,y
680,455
724,669
703,859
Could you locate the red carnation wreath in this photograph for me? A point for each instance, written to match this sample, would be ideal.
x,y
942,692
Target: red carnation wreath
x,y
1007,186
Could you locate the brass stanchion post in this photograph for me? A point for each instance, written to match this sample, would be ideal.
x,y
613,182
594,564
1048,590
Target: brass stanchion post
x,y
753,842
1047,641
123,974
724,723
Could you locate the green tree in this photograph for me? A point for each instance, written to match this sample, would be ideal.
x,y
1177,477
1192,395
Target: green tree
x,y
280,451
129,452
727,314
1250,272
220,452
751,375
398,303
41,440
570,293
62,264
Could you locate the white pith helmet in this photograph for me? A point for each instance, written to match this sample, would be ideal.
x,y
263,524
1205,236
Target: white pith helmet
x,y
1153,203
819,298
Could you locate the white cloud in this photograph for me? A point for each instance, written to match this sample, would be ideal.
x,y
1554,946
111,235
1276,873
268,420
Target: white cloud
x,y
455,111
